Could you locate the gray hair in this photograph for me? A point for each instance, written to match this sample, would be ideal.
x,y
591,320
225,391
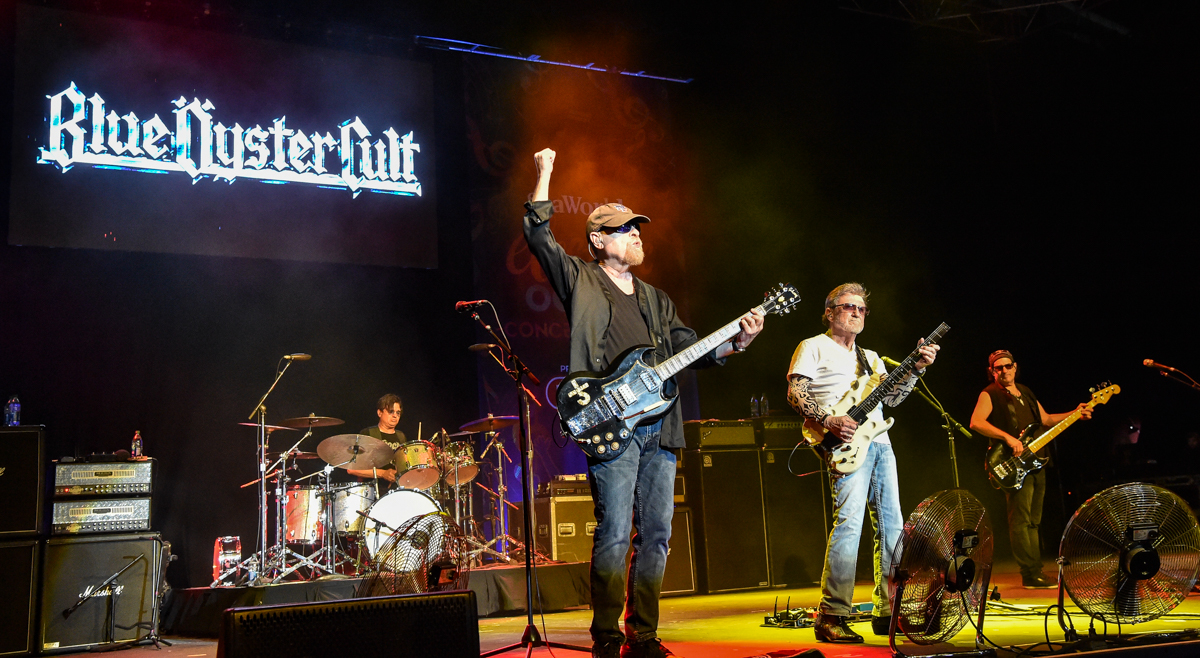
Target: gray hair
x,y
851,288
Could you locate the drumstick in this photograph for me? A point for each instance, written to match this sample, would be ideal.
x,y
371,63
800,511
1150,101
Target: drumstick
x,y
418,430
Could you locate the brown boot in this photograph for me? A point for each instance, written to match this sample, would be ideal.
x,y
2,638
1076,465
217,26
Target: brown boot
x,y
830,628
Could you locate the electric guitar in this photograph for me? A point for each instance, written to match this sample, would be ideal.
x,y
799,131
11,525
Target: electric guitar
x,y
1008,471
865,394
601,410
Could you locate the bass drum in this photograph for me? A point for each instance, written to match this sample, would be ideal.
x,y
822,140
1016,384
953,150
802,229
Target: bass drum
x,y
397,509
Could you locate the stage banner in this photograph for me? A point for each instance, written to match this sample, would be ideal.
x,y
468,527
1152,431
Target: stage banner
x,y
614,143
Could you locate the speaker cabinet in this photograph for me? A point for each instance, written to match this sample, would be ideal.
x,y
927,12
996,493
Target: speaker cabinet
x,y
22,480
18,582
680,575
407,626
797,518
724,492
73,570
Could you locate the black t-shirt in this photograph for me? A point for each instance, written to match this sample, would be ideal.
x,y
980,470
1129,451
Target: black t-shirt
x,y
627,327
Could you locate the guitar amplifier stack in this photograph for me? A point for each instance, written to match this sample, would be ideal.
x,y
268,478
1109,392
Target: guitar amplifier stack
x,y
92,497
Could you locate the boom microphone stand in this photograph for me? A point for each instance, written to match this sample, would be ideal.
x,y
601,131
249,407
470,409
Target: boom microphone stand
x,y
948,423
518,371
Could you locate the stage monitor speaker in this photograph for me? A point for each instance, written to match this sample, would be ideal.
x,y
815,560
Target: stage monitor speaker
x,y
724,491
18,582
22,480
797,520
444,624
72,571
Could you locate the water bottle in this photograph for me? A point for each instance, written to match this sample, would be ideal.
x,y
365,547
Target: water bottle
x,y
754,407
12,412
136,450
764,406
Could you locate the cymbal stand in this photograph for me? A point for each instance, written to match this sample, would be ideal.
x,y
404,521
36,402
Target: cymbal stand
x,y
501,539
260,410
517,370
281,554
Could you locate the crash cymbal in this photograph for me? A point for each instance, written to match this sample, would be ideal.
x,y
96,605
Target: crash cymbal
x,y
357,451
270,428
311,420
467,433
489,424
295,455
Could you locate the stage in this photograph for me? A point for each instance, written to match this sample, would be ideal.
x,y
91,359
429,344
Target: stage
x,y
730,626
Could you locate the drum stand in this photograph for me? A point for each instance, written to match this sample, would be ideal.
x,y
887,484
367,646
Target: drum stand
x,y
505,544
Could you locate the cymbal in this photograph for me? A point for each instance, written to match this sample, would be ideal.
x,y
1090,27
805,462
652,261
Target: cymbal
x,y
270,428
358,451
295,455
467,433
489,424
311,420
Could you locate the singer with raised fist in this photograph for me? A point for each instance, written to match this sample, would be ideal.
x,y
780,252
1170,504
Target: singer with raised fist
x,y
610,310
1004,409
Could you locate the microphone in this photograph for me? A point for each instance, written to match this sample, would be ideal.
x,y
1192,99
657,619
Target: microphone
x,y
481,347
890,361
1149,363
467,306
297,357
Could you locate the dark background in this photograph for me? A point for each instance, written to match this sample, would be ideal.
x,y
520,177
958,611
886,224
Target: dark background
x,y
1035,194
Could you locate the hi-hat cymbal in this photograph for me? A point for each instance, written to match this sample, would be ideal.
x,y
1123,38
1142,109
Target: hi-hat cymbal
x,y
296,454
270,428
311,420
489,424
357,451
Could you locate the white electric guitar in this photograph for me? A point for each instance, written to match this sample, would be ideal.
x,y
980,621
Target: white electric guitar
x,y
865,394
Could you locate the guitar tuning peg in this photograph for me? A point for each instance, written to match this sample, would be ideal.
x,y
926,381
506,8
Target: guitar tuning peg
x,y
1092,389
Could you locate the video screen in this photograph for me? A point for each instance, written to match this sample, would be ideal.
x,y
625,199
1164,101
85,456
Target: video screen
x,y
141,137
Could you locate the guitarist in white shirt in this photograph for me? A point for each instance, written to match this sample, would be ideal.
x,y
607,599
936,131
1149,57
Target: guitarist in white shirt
x,y
1002,411
821,373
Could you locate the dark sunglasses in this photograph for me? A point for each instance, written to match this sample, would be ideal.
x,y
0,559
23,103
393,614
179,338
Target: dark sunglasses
x,y
623,228
1003,367
853,307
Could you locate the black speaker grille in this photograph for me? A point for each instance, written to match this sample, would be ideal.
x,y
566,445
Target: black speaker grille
x,y
444,625
22,477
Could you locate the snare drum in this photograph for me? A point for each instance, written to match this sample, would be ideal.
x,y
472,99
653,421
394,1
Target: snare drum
x,y
303,512
347,503
397,509
458,463
417,465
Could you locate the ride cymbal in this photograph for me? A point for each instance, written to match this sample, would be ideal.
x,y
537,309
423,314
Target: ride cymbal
x,y
489,424
270,428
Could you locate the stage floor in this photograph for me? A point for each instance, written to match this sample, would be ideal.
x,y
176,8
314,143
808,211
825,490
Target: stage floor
x,y
729,626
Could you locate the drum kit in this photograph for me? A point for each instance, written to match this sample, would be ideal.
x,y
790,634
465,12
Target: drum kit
x,y
335,527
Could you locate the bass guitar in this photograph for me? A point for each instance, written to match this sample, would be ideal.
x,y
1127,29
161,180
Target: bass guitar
x,y
601,410
1008,471
866,393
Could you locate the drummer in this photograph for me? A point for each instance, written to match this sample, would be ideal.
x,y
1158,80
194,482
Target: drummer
x,y
389,409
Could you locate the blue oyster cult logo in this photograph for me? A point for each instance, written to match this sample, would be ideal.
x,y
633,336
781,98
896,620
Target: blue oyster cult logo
x,y
201,148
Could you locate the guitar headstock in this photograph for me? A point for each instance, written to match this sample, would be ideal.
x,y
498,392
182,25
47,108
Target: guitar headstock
x,y
1103,391
781,299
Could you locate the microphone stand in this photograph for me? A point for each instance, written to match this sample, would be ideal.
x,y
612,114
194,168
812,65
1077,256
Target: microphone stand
x,y
1180,377
948,423
260,410
518,371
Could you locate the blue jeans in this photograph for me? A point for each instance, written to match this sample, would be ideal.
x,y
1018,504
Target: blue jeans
x,y
635,490
873,486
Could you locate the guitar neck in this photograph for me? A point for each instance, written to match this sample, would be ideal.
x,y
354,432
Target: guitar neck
x,y
900,373
673,365
1048,435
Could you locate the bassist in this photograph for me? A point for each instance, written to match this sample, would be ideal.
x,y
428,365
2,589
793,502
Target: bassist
x,y
610,310
1004,409
822,371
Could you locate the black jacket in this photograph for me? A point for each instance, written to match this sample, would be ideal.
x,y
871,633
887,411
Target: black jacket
x,y
589,310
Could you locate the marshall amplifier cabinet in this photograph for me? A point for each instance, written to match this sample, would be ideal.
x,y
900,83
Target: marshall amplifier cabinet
x,y
18,583
124,611
73,517
134,478
22,479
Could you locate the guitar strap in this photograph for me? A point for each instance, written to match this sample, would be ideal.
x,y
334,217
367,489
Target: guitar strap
x,y
862,360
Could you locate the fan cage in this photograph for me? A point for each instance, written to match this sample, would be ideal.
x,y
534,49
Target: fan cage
x,y
426,554
1094,542
927,611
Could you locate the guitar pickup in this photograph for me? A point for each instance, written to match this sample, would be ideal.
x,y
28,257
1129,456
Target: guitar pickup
x,y
649,380
626,395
